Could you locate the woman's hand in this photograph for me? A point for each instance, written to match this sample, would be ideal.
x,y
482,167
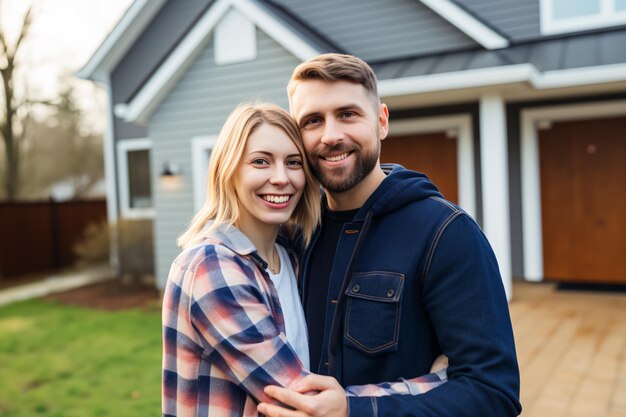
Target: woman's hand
x,y
313,395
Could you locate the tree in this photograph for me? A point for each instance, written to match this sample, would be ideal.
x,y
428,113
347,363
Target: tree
x,y
11,128
61,147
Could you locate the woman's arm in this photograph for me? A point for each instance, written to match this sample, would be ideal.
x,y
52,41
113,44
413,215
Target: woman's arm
x,y
237,328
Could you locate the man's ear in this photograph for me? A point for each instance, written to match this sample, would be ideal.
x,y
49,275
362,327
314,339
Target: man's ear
x,y
383,121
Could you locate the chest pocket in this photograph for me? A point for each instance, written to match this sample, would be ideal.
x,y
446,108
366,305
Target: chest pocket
x,y
372,320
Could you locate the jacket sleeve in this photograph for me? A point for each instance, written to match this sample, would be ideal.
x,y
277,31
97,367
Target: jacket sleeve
x,y
235,325
465,300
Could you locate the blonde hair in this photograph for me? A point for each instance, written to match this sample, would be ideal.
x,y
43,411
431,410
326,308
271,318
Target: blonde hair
x,y
222,204
335,67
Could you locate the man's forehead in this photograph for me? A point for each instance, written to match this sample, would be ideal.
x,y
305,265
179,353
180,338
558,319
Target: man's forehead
x,y
317,95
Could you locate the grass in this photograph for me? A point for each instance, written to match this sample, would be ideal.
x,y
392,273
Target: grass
x,y
58,360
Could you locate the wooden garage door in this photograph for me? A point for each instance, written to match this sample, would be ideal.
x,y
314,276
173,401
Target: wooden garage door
x,y
434,154
583,196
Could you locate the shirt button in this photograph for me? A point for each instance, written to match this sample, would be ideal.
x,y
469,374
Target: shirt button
x,y
390,293
356,288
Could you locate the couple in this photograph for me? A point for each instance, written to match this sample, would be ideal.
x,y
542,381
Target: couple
x,y
391,276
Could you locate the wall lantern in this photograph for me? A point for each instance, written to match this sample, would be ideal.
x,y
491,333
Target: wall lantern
x,y
170,170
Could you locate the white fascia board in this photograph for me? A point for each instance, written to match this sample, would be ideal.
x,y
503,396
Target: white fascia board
x,y
467,23
457,80
508,74
160,84
121,38
580,76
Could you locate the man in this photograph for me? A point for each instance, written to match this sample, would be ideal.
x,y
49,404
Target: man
x,y
396,275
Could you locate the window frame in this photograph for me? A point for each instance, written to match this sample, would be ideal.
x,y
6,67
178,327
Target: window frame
x,y
123,147
199,165
607,17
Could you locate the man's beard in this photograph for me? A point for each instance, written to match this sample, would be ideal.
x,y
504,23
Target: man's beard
x,y
337,180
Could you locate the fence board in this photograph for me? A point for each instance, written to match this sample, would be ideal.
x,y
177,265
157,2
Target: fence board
x,y
39,236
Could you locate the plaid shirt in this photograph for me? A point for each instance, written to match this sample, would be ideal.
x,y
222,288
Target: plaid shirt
x,y
224,334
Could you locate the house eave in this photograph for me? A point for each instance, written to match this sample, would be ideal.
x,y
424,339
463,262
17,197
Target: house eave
x,y
121,38
501,76
139,109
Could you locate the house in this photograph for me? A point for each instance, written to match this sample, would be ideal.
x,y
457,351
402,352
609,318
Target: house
x,y
516,109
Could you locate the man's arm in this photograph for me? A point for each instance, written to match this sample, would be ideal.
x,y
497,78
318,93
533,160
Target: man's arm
x,y
465,300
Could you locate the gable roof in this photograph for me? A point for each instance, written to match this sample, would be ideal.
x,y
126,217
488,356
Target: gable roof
x,y
169,72
122,37
467,23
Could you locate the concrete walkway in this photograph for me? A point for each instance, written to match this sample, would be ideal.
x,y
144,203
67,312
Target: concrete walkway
x,y
56,283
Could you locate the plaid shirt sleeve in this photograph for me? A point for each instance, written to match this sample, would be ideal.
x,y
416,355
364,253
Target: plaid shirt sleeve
x,y
414,386
232,312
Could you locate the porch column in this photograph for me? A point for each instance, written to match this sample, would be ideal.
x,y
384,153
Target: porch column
x,y
110,175
495,182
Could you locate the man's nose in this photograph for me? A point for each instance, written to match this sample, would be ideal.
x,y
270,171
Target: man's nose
x,y
332,133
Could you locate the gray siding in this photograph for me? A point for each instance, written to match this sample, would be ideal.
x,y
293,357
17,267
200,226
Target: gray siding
x,y
517,20
362,27
198,106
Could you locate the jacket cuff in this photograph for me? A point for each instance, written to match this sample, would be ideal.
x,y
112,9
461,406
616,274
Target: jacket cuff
x,y
362,407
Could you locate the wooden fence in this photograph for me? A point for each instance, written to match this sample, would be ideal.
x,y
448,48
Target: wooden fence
x,y
39,236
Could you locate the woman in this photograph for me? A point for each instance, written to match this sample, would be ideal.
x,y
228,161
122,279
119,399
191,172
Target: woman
x,y
232,320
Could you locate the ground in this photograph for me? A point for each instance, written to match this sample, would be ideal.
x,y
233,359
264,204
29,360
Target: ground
x,y
111,295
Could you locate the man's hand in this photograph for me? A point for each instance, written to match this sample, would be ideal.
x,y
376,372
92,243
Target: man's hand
x,y
313,395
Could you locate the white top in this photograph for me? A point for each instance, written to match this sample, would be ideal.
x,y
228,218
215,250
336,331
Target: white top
x,y
295,325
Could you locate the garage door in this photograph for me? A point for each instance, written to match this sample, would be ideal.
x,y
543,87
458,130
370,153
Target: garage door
x,y
434,154
583,196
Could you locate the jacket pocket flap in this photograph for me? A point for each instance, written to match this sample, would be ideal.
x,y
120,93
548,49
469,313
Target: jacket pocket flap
x,y
379,286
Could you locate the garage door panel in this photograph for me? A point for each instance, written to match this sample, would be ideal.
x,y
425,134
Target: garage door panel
x,y
434,154
583,190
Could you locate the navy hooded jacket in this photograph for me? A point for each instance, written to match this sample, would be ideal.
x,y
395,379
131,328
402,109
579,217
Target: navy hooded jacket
x,y
413,277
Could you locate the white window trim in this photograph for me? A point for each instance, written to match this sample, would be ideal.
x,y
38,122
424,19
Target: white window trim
x,y
608,16
199,166
532,120
123,147
461,127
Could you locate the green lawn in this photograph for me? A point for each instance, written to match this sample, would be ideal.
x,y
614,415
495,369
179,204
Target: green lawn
x,y
62,361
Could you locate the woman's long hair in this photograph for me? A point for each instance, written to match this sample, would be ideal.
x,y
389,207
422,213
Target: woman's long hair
x,y
222,204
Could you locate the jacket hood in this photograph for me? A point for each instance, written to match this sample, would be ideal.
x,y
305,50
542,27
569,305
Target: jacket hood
x,y
401,187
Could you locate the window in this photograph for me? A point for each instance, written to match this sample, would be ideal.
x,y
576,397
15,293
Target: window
x,y
560,16
135,185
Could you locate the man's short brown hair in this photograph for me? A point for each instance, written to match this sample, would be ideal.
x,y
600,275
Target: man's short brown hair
x,y
332,68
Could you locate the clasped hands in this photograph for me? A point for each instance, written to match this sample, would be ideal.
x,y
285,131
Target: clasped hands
x,y
312,395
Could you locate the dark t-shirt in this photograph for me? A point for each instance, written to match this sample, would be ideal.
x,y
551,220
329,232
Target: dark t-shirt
x,y
316,290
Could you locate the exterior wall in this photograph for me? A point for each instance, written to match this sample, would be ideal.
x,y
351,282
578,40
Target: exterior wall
x,y
374,32
198,106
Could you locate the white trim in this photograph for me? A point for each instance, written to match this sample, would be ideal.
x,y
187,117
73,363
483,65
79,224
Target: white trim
x,y
508,74
123,147
608,16
199,166
467,23
173,68
531,183
495,182
117,43
110,174
234,39
462,125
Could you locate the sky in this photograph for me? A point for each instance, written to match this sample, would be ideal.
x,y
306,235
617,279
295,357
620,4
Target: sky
x,y
63,36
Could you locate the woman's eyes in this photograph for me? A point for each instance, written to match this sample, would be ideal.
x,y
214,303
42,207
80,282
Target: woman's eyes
x,y
294,163
265,162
